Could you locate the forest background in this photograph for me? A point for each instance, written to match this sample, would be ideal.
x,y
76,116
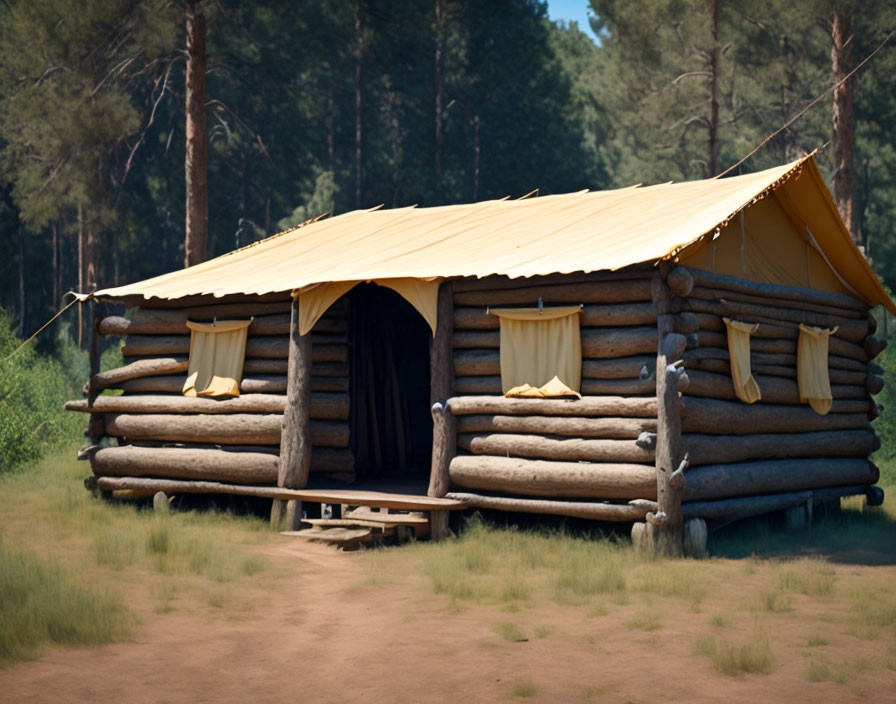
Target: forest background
x,y
317,106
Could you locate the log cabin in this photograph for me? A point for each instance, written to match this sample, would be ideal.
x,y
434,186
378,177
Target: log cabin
x,y
667,356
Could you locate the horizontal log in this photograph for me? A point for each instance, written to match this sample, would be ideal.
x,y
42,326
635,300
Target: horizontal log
x,y
477,363
589,406
264,347
279,366
593,315
847,328
139,368
728,510
635,367
714,294
596,511
538,446
332,460
248,384
760,358
208,300
179,463
619,428
708,279
229,429
722,366
621,291
147,321
324,406
836,346
476,339
704,415
478,385
774,389
554,479
719,481
401,502
500,281
719,449
619,387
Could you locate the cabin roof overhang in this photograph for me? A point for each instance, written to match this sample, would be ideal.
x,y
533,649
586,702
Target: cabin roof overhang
x,y
556,234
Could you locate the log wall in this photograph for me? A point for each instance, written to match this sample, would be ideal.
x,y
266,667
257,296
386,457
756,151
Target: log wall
x,y
591,449
160,433
752,452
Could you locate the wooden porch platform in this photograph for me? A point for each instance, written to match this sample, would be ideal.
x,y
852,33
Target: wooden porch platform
x,y
352,497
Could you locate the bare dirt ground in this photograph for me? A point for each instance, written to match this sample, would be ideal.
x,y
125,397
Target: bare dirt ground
x,y
322,631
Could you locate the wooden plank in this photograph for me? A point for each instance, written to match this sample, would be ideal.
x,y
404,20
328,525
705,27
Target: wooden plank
x,y
589,406
352,497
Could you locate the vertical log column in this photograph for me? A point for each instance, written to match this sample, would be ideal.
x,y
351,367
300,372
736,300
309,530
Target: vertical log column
x,y
666,525
295,433
441,375
96,427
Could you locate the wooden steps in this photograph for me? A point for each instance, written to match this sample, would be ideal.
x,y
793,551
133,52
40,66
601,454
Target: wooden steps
x,y
343,537
363,525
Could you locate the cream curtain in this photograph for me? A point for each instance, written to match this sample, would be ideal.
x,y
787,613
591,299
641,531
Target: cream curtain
x,y
539,345
812,368
745,385
423,294
217,352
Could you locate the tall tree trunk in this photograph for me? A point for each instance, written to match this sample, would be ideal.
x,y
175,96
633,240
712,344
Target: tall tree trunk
x,y
22,279
842,62
56,276
196,162
82,270
476,157
358,51
712,160
438,81
331,164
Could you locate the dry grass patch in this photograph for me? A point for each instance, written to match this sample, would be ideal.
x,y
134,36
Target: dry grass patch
x,y
523,689
752,656
510,632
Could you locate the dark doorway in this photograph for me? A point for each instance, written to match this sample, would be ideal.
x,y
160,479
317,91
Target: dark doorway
x,y
391,425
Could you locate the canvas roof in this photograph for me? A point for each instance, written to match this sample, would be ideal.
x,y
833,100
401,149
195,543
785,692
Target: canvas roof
x,y
584,231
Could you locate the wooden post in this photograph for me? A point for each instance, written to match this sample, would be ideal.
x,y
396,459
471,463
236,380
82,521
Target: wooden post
x,y
667,524
295,437
441,376
94,316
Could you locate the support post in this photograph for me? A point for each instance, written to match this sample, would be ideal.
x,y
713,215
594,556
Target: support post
x,y
295,435
441,375
667,524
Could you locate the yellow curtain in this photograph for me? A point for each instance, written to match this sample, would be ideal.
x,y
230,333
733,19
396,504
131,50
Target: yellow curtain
x,y
745,385
812,368
553,389
217,352
539,345
423,294
315,300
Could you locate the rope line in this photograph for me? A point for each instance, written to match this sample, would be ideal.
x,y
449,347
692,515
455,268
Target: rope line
x,y
44,326
809,106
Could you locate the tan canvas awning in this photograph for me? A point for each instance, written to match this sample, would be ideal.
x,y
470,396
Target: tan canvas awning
x,y
586,231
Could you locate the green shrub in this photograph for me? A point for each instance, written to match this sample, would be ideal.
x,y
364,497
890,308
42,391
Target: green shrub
x,y
33,389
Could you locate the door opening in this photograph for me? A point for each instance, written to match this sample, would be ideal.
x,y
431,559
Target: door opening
x,y
390,421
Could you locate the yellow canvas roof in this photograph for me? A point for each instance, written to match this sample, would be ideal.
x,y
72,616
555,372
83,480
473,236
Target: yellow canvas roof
x,y
585,231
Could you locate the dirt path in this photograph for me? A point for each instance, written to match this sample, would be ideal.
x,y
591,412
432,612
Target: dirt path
x,y
321,637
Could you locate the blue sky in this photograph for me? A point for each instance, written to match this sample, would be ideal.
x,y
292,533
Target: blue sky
x,y
571,10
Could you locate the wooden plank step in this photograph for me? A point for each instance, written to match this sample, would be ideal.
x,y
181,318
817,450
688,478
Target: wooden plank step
x,y
367,514
349,523
342,537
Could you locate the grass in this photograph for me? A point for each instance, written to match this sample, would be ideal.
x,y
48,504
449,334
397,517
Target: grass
x,y
509,632
41,602
523,689
733,659
821,669
67,542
